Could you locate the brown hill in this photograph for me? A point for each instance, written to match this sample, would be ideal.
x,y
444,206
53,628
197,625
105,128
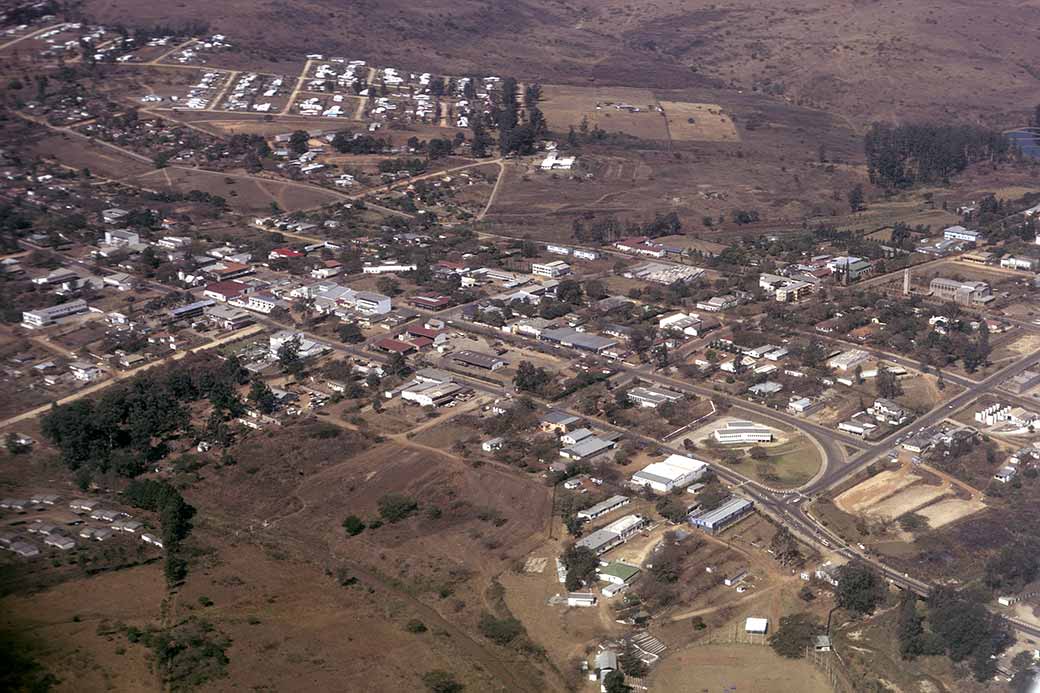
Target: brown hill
x,y
967,59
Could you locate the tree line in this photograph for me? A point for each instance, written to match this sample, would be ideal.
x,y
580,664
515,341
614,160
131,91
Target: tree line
x,y
127,428
899,156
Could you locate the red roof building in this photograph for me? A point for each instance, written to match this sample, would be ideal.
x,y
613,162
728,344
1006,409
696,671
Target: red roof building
x,y
394,346
283,253
430,301
224,291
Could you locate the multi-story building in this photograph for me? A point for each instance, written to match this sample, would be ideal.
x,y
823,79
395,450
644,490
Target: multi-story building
x,y
965,293
42,317
556,268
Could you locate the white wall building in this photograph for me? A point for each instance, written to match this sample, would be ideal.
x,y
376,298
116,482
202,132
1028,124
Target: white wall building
x,y
742,433
677,471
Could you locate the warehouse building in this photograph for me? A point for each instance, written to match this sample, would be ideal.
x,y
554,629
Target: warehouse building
x,y
568,337
617,573
714,521
603,507
677,471
479,360
587,447
614,534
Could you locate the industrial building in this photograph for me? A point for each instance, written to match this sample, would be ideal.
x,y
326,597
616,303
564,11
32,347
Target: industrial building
x,y
603,507
677,471
714,521
848,360
479,360
614,534
568,337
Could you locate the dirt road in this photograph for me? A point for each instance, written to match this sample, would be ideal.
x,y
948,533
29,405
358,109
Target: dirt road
x,y
98,387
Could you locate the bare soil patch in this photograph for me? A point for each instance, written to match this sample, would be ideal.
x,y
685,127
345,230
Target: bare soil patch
x,y
699,122
735,667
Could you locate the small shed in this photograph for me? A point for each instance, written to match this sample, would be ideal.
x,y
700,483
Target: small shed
x,y
756,625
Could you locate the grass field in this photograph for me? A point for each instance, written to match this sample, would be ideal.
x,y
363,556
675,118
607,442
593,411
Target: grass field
x,y
699,122
565,106
243,194
734,668
789,464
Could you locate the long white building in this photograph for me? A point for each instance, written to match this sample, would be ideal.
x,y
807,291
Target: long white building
x,y
742,433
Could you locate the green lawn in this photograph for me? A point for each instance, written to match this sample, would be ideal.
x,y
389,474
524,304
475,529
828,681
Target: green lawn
x,y
789,465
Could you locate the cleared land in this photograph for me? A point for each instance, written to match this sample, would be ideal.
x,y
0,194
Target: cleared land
x,y
947,511
244,194
906,501
734,668
565,106
699,122
894,493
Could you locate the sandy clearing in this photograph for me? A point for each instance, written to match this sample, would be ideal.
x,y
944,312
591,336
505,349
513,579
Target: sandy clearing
x,y
874,489
705,122
907,501
950,510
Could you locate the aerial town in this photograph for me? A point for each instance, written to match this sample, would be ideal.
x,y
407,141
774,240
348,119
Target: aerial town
x,y
325,366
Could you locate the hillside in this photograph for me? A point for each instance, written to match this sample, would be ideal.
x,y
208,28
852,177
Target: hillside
x,y
863,60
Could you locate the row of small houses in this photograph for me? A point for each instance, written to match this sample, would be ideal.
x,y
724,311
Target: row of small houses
x,y
54,535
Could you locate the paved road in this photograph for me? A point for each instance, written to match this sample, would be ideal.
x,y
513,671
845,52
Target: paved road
x,y
882,446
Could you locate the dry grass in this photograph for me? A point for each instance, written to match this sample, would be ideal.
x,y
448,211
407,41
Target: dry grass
x,y
565,106
735,668
699,122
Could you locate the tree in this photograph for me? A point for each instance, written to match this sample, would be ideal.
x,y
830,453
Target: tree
x,y
501,631
395,507
350,333
614,682
795,634
887,383
262,397
712,495
531,378
353,525
387,285
856,198
786,549
289,355
298,142
397,365
671,508
859,589
439,681
967,630
580,563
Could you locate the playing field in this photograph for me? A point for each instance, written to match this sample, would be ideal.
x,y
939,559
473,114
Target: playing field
x,y
612,109
719,668
699,122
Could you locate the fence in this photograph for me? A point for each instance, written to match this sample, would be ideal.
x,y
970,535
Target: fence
x,y
828,663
